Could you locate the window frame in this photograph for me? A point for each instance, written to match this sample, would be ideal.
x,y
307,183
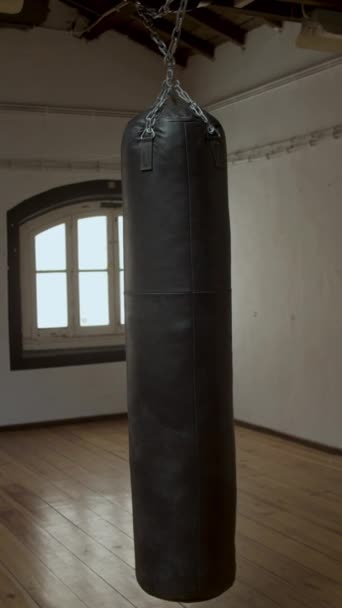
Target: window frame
x,y
45,209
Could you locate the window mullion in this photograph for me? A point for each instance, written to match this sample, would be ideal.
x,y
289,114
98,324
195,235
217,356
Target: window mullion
x,y
72,275
111,266
116,272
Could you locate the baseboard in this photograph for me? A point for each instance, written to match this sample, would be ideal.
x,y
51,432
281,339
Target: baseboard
x,y
60,422
306,442
123,416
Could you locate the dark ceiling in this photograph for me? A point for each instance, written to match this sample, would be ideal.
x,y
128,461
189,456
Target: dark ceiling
x,y
205,27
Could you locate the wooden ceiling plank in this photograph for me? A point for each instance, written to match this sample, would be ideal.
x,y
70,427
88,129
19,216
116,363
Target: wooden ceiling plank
x,y
219,24
143,38
94,8
132,30
317,3
242,3
204,47
265,8
33,14
284,10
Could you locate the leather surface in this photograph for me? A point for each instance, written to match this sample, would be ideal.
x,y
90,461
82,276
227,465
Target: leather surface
x,y
179,357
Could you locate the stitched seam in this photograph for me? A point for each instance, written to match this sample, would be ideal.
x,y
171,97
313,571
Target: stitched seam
x,y
188,120
176,293
195,415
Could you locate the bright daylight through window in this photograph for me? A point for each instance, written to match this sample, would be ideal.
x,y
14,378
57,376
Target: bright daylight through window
x,y
72,269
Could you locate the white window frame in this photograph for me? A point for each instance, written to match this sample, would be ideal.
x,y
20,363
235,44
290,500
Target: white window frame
x,y
74,336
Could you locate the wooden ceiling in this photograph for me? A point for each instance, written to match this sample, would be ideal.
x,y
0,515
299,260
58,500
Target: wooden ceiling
x,y
205,26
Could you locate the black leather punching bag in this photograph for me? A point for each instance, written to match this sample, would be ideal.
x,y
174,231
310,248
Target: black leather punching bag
x,y
179,355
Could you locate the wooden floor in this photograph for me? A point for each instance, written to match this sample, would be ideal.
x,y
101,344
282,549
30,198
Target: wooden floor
x,y
66,524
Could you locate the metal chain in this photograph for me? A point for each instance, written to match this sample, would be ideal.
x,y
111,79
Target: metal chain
x,y
151,116
168,53
148,15
176,33
194,107
147,18
163,10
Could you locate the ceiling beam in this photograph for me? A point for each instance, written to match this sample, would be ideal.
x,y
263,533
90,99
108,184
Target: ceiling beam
x,y
111,20
143,38
33,13
317,3
287,11
88,6
198,44
220,25
242,3
134,32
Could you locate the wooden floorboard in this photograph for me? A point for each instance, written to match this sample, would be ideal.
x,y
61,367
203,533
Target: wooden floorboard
x,y
66,537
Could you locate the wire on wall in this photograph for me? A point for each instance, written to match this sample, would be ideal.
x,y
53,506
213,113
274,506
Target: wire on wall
x,y
247,155
285,146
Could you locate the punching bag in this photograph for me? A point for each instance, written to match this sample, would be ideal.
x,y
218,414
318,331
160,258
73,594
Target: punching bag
x,y
179,355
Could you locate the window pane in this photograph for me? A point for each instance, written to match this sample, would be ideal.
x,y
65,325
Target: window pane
x,y
50,249
94,304
52,300
92,243
122,297
121,246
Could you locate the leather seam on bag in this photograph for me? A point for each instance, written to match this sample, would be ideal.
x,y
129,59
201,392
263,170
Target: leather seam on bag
x,y
183,119
178,293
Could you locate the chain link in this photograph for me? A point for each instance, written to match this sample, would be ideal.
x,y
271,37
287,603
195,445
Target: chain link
x,y
151,116
148,15
163,10
194,107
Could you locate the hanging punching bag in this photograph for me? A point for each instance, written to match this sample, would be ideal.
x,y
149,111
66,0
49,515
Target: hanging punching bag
x,y
179,355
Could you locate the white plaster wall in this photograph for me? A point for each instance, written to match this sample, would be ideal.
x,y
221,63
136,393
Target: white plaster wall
x,y
52,67
47,67
286,218
49,394
268,55
298,108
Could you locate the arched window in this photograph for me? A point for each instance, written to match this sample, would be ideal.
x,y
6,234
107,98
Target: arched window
x,y
66,269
